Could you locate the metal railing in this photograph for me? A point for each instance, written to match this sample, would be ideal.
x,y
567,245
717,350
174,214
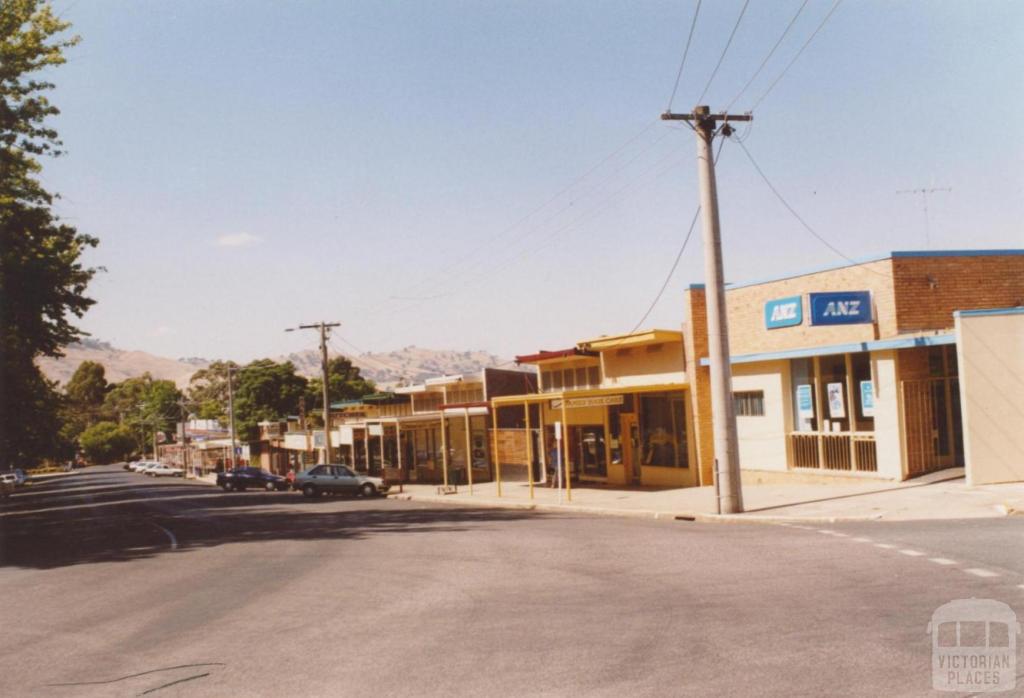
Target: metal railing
x,y
836,451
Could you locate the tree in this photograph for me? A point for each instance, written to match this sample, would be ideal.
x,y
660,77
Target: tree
x,y
107,442
42,281
82,405
144,405
208,390
265,391
345,381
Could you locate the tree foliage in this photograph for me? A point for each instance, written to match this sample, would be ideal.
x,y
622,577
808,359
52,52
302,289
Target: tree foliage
x,y
265,391
107,442
345,381
144,405
42,280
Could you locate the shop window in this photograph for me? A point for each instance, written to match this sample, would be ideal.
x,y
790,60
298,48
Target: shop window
x,y
663,431
588,442
594,376
749,403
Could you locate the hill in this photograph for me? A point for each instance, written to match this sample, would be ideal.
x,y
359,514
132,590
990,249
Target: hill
x,y
409,365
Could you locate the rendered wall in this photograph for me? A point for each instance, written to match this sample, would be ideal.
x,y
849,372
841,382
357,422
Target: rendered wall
x,y
990,352
763,439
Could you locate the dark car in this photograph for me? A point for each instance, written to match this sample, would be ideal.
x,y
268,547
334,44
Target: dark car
x,y
338,479
241,479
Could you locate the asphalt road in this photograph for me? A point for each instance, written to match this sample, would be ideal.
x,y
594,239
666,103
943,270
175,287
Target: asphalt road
x,y
118,585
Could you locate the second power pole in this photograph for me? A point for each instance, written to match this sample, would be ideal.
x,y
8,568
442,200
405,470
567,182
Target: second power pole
x,y
723,411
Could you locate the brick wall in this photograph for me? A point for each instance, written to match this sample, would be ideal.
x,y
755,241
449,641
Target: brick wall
x,y
929,289
695,346
747,331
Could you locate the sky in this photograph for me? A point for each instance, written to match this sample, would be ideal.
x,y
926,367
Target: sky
x,y
484,175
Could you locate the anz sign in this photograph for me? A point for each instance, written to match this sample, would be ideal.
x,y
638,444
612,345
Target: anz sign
x,y
842,308
783,312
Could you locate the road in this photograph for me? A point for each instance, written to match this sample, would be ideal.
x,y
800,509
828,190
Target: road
x,y
119,585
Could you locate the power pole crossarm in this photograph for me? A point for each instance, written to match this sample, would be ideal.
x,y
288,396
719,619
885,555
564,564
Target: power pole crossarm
x,y
723,411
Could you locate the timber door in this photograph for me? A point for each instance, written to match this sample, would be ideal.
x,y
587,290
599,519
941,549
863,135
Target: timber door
x,y
932,432
630,434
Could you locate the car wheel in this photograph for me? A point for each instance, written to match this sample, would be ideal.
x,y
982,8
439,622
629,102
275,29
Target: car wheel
x,y
227,486
368,490
271,487
310,491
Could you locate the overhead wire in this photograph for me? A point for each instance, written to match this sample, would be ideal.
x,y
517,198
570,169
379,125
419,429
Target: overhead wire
x,y
767,58
686,51
724,51
807,43
799,218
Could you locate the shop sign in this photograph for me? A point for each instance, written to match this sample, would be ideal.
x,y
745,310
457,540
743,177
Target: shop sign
x,y
842,308
804,401
375,429
867,398
836,404
318,440
783,312
600,401
346,436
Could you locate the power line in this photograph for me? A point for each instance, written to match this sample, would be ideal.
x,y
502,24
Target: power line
x,y
798,53
689,38
768,57
675,264
796,215
724,51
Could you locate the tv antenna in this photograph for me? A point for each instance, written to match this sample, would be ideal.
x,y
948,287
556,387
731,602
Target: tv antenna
x,y
925,193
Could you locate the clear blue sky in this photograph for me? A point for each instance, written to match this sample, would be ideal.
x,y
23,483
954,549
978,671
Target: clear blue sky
x,y
252,165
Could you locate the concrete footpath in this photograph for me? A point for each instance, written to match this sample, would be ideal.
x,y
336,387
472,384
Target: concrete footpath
x,y
940,495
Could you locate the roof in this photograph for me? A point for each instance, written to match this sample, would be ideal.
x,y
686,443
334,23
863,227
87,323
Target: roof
x,y
632,339
544,355
385,397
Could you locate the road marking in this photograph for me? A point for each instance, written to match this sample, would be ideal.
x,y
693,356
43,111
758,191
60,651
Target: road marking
x,y
174,541
1020,586
826,531
979,572
863,539
885,546
942,561
911,553
840,535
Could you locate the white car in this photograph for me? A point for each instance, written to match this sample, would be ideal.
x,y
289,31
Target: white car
x,y
164,469
142,465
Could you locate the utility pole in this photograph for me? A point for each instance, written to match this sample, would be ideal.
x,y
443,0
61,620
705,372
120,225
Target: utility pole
x,y
231,417
925,192
723,411
325,329
184,438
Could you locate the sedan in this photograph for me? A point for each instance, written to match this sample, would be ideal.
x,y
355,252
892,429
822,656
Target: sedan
x,y
337,479
163,469
242,478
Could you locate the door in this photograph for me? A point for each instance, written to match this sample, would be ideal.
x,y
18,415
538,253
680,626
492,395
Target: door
x,y
345,480
630,435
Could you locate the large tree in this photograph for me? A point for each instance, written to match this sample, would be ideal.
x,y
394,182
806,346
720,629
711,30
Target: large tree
x,y
42,279
144,405
265,391
83,399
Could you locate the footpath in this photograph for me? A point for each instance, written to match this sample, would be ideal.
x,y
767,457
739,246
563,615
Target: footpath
x,y
940,495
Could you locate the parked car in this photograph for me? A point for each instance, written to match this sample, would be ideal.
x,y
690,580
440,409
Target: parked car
x,y
20,478
161,469
9,479
140,465
244,478
337,479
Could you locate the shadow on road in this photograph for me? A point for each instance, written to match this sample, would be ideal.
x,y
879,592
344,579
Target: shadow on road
x,y
119,521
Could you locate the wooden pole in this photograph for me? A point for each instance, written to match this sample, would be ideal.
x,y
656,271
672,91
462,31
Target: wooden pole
x,y
529,447
565,451
494,452
469,454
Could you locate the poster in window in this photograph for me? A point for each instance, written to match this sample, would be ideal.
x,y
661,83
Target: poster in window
x,y
804,401
867,398
836,406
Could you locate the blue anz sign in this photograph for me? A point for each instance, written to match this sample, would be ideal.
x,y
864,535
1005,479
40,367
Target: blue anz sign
x,y
783,312
843,308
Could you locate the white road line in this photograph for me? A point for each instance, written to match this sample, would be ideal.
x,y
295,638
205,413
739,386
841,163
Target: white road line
x,y
979,572
826,531
942,561
840,535
885,546
911,553
174,541
1020,586
863,539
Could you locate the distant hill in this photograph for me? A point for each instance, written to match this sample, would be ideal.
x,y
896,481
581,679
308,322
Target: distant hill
x,y
409,365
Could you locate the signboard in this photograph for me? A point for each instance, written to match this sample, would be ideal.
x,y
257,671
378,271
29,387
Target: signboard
x,y
805,401
867,398
599,401
318,440
558,431
836,404
783,312
346,436
375,429
842,308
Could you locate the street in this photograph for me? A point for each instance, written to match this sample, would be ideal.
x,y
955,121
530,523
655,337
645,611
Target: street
x,y
116,584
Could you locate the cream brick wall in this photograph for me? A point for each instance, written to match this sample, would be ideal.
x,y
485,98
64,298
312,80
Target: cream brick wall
x,y
763,440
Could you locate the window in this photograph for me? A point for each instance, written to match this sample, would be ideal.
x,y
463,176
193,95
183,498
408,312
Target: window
x,y
749,403
663,431
594,376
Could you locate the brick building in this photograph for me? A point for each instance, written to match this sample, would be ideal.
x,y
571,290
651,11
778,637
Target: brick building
x,y
851,370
